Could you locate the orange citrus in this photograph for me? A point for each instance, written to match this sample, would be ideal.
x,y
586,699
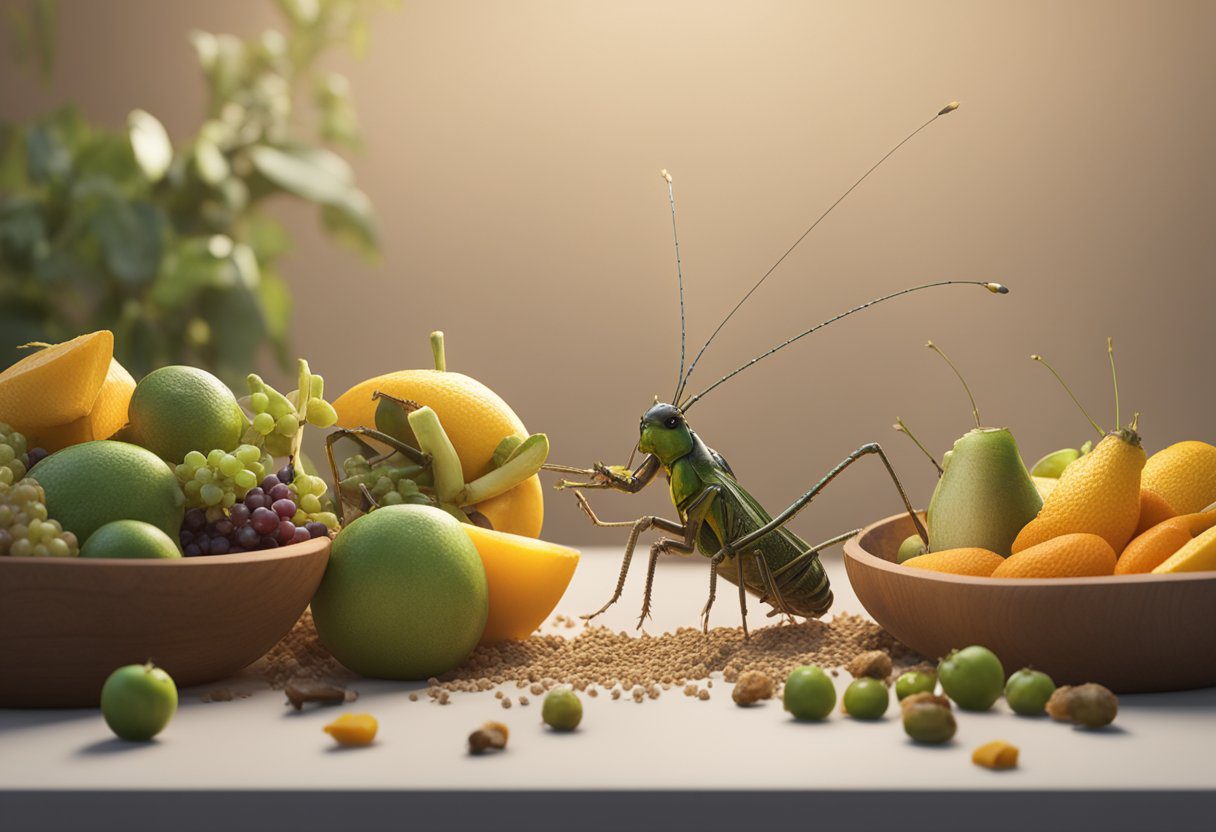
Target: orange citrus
x,y
1152,548
1153,510
1067,556
1199,555
526,578
1098,494
57,384
966,561
1184,474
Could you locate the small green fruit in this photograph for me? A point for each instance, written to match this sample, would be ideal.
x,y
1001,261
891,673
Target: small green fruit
x,y
928,723
562,710
914,681
129,539
137,701
1053,464
809,693
1027,692
866,698
972,677
913,546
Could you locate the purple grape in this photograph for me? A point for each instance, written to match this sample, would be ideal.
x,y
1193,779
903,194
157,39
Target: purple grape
x,y
238,515
284,508
280,492
191,551
247,537
195,520
317,529
301,535
220,545
287,473
287,531
255,498
222,527
36,455
264,521
186,537
268,542
270,482
203,542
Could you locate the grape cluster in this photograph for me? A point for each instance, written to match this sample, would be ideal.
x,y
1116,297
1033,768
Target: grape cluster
x,y
389,485
217,480
25,529
278,419
15,456
267,517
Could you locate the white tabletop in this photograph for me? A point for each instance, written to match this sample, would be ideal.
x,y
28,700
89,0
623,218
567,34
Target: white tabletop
x,y
1159,741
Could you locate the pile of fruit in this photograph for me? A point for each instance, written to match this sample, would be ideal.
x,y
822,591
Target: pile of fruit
x,y
1101,509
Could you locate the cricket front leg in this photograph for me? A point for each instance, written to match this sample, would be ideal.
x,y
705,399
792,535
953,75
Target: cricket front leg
x,y
606,476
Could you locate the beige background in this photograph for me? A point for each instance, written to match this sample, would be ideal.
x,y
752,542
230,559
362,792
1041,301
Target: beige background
x,y
513,149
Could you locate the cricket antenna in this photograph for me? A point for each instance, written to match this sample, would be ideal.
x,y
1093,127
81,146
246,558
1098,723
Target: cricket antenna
x,y
949,108
675,235
995,288
1071,395
975,411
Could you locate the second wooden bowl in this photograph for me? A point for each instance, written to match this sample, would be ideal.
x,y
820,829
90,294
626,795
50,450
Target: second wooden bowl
x,y
1132,633
65,624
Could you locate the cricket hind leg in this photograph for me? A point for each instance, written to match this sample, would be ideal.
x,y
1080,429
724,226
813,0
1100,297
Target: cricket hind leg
x,y
661,546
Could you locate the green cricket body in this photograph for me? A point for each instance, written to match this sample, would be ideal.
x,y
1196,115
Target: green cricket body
x,y
692,467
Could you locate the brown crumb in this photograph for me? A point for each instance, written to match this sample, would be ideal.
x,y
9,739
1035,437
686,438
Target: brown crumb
x,y
925,698
703,695
302,691
218,695
524,701
490,737
752,687
413,697
873,663
506,703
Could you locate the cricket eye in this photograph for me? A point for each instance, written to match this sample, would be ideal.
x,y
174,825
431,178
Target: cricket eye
x,y
672,422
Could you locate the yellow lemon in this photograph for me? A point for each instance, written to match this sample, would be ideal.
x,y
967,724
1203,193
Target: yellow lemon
x,y
106,418
1197,556
57,384
526,578
1184,474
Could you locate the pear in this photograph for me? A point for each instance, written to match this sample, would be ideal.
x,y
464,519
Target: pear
x,y
985,495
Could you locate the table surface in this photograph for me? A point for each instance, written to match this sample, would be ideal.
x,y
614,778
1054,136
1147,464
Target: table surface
x,y
1160,741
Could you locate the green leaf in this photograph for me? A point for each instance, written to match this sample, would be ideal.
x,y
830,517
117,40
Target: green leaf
x,y
48,159
132,239
237,330
190,266
150,143
354,224
276,301
267,236
314,174
13,167
23,236
210,162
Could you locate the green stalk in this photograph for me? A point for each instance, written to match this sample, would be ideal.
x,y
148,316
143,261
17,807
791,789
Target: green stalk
x,y
523,463
445,463
441,360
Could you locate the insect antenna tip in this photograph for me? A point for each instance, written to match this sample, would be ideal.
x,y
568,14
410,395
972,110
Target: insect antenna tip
x,y
666,176
949,108
997,288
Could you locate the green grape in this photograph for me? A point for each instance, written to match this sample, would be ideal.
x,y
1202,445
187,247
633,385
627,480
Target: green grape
x,y
194,460
245,479
248,454
392,498
25,529
230,465
258,402
218,479
287,425
264,424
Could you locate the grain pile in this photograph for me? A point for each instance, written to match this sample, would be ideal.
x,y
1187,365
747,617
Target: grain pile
x,y
628,665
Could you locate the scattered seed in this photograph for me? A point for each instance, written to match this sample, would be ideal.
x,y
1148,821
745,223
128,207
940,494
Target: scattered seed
x,y
703,696
873,663
490,737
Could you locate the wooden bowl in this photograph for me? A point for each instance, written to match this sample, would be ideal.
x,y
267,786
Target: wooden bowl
x,y
65,624
1133,633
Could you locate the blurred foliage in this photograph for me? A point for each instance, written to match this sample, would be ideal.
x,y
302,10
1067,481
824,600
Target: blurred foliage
x,y
167,243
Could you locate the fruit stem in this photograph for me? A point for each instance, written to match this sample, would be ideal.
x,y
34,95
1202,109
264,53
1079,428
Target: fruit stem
x,y
441,361
445,463
975,411
902,428
1068,389
1110,351
524,462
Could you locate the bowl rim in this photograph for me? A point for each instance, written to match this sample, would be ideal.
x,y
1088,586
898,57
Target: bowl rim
x,y
853,550
293,550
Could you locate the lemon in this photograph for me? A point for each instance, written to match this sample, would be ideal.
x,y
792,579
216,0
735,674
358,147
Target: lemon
x,y
57,384
178,409
129,539
1184,475
106,417
94,483
404,595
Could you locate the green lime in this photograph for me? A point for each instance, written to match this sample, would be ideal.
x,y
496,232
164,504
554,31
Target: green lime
x,y
913,546
176,409
404,595
972,677
929,723
809,693
1027,692
129,539
914,681
866,698
138,700
94,483
562,710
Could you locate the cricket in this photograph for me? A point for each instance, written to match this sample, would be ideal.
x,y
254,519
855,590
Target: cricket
x,y
717,516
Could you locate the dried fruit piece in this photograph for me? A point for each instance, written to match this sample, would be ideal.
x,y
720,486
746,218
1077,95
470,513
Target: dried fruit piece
x,y
301,691
490,737
1089,705
873,663
353,729
997,755
927,722
751,687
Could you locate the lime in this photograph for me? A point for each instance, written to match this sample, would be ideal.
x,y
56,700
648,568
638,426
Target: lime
x,y
404,595
94,483
914,681
866,698
138,700
809,693
176,409
972,677
913,546
129,539
1027,692
562,710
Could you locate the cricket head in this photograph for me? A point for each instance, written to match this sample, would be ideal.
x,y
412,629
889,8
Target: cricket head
x,y
665,433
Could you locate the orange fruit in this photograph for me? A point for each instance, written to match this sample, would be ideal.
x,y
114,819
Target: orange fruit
x,y
1098,494
966,561
474,417
107,416
526,577
1198,555
1067,556
1155,546
1184,474
1153,510
57,384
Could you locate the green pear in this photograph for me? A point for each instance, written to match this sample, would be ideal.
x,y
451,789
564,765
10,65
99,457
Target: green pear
x,y
985,495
